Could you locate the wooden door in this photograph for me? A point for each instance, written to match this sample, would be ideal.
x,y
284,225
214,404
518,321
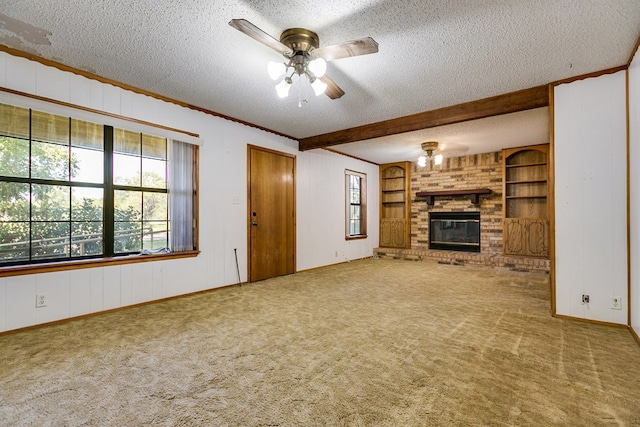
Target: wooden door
x,y
271,214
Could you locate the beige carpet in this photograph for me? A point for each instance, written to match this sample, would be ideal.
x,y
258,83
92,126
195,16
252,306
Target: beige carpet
x,y
368,343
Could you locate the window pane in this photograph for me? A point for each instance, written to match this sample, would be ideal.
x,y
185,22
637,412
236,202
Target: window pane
x,y
50,202
49,128
354,228
14,202
87,135
86,238
49,161
126,170
127,237
355,189
155,206
14,157
87,165
126,142
50,239
156,235
355,212
154,173
14,241
87,204
154,147
14,121
127,205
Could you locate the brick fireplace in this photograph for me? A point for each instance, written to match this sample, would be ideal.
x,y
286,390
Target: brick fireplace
x,y
460,173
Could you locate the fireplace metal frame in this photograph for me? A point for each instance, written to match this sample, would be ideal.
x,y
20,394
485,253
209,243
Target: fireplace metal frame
x,y
454,217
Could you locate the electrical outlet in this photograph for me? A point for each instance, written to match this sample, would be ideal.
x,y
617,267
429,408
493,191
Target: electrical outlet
x,y
616,303
41,300
585,299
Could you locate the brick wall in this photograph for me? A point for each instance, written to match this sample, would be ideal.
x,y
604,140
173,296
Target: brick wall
x,y
458,173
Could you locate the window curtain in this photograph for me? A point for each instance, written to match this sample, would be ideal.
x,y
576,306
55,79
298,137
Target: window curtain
x,y
181,192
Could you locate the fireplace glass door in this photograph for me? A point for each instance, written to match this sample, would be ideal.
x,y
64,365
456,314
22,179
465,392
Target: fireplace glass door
x,y
454,231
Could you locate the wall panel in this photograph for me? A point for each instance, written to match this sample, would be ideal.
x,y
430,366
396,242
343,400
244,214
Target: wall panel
x,y
51,83
20,73
80,289
590,190
56,287
20,305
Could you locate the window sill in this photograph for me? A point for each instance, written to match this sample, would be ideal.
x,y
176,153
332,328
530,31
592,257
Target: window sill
x,y
21,270
363,236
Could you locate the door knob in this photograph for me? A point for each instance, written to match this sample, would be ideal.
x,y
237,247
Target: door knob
x,y
254,223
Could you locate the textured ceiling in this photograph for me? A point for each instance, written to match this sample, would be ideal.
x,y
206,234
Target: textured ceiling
x,y
432,54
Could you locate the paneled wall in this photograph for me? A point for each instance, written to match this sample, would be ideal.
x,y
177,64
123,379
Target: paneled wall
x,y
223,205
591,197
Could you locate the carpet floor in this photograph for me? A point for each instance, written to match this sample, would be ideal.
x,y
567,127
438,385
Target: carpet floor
x,y
368,343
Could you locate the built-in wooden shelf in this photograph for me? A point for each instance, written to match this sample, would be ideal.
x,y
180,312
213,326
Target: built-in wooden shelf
x,y
524,165
395,205
529,181
474,193
525,197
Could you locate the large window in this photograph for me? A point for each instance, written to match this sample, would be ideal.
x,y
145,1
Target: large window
x,y
356,204
72,189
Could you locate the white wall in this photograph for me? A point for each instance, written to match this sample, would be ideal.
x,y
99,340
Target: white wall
x,y
223,205
634,189
590,197
321,239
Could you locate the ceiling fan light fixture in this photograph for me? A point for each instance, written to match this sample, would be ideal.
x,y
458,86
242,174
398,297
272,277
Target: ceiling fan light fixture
x,y
276,69
318,67
301,48
429,147
283,87
318,86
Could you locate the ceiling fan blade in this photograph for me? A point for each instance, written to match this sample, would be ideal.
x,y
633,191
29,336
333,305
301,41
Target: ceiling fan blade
x,y
363,46
333,91
257,34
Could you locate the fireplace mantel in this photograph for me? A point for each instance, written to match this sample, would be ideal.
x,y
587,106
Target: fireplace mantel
x,y
474,193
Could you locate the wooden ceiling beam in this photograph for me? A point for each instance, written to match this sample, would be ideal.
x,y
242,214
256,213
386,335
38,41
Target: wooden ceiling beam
x,y
512,102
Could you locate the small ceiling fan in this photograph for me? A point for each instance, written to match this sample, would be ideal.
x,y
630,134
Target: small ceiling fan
x,y
434,151
304,56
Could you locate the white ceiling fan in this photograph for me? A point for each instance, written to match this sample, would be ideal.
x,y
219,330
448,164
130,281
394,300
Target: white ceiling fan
x,y
304,56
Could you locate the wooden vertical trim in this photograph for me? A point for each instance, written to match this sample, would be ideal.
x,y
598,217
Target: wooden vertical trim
x,y
551,205
295,215
628,176
248,218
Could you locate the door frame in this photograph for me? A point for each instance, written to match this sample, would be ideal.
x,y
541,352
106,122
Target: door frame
x,y
295,210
